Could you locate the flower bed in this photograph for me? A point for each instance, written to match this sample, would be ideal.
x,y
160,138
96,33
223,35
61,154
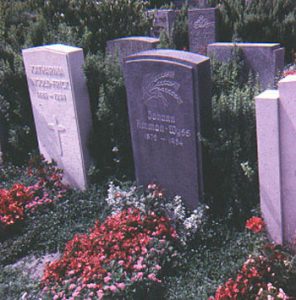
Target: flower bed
x,y
127,252
19,200
261,276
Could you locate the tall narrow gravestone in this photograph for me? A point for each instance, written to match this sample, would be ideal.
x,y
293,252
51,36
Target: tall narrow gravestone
x,y
163,20
266,60
202,29
169,105
276,136
123,47
61,108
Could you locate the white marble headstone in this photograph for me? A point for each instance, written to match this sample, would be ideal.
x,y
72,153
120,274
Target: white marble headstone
x,y
61,108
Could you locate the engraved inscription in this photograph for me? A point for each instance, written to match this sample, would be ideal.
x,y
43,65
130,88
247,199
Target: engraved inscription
x,y
166,133
47,70
202,23
58,129
49,83
161,88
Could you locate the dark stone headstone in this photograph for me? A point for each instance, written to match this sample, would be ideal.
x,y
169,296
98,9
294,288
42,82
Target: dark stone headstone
x,y
163,20
123,47
169,101
202,29
264,59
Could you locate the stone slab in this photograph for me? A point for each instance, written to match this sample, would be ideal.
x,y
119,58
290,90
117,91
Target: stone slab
x,y
163,20
268,147
123,47
202,29
264,59
287,113
169,101
61,108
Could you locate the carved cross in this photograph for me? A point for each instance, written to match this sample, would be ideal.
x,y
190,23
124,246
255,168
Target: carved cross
x,y
58,129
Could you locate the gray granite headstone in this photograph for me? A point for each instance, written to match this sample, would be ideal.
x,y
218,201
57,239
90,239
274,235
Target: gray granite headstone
x,y
202,29
264,59
123,47
61,108
163,20
169,101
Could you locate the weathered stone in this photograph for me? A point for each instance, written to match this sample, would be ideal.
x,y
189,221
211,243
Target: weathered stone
x,y
202,29
264,59
169,101
163,20
124,47
61,108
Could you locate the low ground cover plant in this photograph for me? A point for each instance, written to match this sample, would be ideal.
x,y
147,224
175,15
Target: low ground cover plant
x,y
44,187
127,252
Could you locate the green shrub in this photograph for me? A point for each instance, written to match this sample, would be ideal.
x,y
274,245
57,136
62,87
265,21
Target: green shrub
x,y
87,24
110,142
233,177
259,21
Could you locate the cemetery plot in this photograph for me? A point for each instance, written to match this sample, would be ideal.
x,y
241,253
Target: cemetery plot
x,y
169,105
60,106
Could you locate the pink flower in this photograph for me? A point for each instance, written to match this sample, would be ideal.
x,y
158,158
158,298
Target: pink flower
x,y
72,286
100,294
107,279
153,278
113,288
121,285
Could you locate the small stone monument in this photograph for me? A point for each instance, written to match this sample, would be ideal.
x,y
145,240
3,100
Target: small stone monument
x,y
163,20
276,137
123,47
266,60
202,29
61,108
169,102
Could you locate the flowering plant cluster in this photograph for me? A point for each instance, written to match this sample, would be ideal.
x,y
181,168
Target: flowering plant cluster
x,y
255,224
128,249
46,187
13,202
252,282
186,223
261,276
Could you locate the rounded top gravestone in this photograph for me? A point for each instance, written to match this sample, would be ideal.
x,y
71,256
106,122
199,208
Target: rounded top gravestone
x,y
169,104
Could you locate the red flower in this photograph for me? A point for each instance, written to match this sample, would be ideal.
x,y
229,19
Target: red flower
x,y
255,224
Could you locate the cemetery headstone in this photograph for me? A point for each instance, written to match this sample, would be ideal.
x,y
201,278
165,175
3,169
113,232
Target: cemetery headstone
x,y
163,20
61,108
264,59
202,29
276,136
169,102
123,47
